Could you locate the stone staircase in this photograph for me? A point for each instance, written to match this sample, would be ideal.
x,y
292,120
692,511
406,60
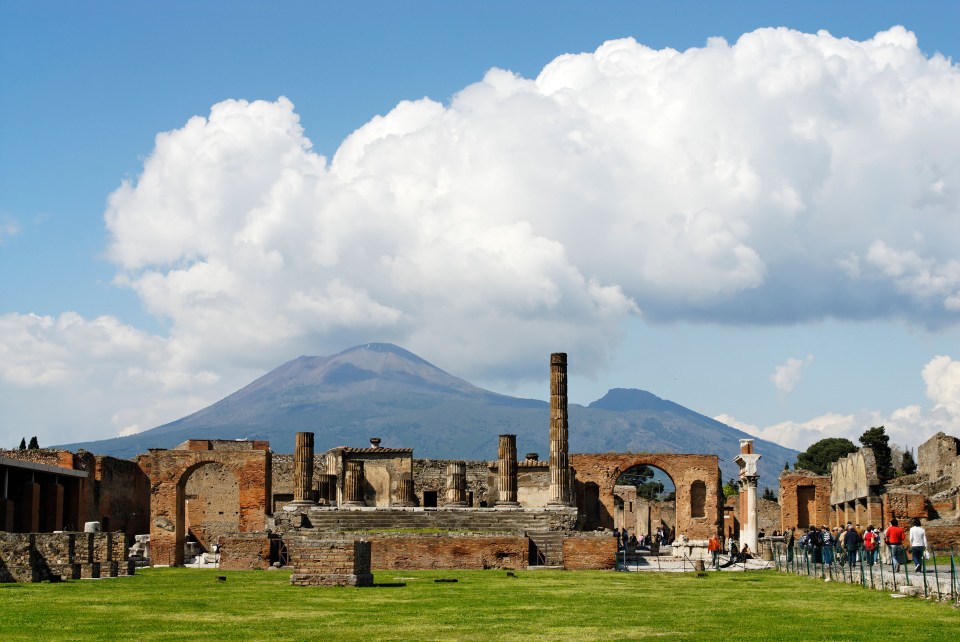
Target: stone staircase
x,y
547,548
387,520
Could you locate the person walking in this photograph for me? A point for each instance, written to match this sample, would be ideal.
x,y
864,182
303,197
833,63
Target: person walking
x,y
870,545
851,544
918,544
828,544
893,537
714,546
791,540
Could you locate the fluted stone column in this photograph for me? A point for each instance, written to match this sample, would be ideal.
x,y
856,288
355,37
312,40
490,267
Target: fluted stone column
x,y
353,483
457,483
405,496
507,469
303,469
559,432
327,489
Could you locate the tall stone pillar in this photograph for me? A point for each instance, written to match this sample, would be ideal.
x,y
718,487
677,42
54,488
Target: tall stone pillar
x,y
353,480
303,469
747,461
507,471
405,496
457,483
559,432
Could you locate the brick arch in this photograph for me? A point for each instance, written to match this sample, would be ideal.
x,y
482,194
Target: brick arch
x,y
169,470
604,469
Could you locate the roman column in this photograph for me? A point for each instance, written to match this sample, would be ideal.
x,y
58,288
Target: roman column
x,y
456,484
405,496
303,469
559,431
747,461
507,471
353,483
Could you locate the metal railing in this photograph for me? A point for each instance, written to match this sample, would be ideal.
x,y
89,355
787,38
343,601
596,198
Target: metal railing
x,y
876,569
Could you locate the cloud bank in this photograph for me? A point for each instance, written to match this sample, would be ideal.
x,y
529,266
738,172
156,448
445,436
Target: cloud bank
x,y
784,178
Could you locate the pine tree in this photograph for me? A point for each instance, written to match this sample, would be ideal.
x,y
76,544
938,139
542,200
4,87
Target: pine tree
x,y
23,443
877,440
769,494
34,444
907,462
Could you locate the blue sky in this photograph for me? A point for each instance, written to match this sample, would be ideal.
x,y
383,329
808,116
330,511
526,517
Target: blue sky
x,y
106,329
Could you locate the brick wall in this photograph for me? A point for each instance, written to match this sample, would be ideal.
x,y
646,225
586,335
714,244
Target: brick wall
x,y
812,491
242,552
589,552
330,562
449,552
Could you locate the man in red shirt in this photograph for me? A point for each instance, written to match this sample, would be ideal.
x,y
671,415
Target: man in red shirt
x,y
894,539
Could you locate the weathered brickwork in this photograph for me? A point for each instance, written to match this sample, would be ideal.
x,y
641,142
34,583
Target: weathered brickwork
x,y
597,474
935,457
412,552
169,470
804,499
430,476
330,562
38,557
589,552
245,551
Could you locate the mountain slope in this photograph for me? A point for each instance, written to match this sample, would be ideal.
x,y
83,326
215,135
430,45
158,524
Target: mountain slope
x,y
381,390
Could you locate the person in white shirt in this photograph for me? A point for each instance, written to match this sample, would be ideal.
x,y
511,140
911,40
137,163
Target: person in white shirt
x,y
918,543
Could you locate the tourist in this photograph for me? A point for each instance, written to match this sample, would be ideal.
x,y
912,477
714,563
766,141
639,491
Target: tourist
x,y
918,544
870,545
894,540
851,544
829,542
815,544
714,546
791,541
745,553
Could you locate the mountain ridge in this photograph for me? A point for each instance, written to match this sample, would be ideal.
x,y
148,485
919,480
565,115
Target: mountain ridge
x,y
383,390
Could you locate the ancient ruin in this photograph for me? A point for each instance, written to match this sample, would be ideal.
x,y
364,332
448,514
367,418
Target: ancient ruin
x,y
333,516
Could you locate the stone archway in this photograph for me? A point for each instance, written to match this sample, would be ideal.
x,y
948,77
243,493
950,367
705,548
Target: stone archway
x,y
169,470
696,477
211,503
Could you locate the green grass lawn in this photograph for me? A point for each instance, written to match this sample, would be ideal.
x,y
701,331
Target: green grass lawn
x,y
190,604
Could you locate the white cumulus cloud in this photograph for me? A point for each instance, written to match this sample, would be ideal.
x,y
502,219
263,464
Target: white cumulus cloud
x,y
786,376
783,178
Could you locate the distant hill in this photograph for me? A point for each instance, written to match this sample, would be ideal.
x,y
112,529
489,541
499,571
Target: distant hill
x,y
381,390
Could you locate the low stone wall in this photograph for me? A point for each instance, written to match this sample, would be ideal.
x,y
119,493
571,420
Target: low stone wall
x,y
330,563
589,552
36,557
943,536
244,551
412,552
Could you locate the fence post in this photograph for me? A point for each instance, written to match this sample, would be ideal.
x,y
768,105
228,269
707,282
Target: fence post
x,y
936,572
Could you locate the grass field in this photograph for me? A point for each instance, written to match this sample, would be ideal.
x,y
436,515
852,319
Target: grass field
x,y
190,604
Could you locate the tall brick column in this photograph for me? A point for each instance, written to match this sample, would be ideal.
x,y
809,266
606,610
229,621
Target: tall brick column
x,y
457,483
559,432
303,469
507,471
353,483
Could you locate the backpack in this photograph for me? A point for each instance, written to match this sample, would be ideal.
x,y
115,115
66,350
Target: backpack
x,y
803,540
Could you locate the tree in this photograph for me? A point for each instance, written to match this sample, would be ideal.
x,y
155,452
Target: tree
x,y
818,457
731,488
641,477
23,443
876,439
907,462
769,494
34,444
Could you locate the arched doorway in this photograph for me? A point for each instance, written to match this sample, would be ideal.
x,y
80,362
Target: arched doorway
x,y
208,498
645,502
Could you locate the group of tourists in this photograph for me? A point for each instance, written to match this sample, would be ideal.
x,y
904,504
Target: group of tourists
x,y
853,544
662,537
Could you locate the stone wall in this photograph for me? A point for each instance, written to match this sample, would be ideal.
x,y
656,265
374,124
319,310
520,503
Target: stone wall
x,y
411,552
936,456
430,476
533,483
804,499
589,552
212,504
240,552
121,496
904,505
382,468
37,557
330,563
